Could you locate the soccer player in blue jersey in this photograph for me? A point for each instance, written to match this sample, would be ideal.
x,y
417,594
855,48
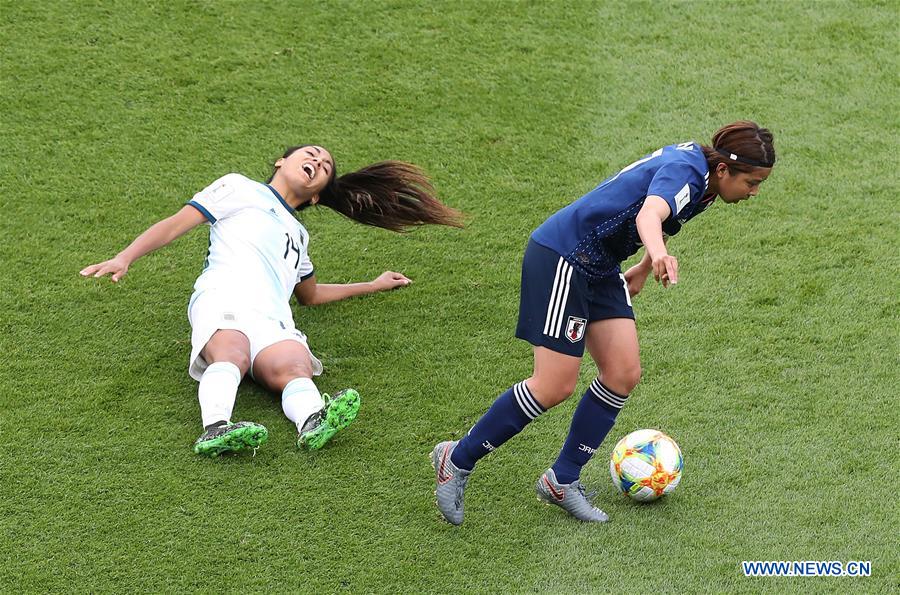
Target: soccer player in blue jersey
x,y
574,295
258,257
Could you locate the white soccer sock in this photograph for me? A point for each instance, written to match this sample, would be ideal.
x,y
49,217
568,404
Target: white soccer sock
x,y
300,399
218,389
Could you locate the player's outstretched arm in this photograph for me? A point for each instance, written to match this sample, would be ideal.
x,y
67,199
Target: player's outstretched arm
x,y
310,293
649,226
156,236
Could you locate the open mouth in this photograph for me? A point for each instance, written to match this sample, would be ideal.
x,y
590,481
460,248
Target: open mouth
x,y
310,171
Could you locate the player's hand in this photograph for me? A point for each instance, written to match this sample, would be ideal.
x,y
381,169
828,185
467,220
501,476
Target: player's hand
x,y
665,270
117,267
390,280
635,277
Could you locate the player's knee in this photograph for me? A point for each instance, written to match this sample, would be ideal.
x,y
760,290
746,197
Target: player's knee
x,y
225,348
552,394
633,377
239,359
297,370
624,379
232,356
567,389
287,371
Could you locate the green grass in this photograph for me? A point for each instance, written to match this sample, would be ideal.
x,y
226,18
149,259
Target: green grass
x,y
773,362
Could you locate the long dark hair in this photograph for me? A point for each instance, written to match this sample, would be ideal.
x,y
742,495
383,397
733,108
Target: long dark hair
x,y
392,195
742,146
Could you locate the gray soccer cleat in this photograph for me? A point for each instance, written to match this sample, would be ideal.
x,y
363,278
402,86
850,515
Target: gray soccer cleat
x,y
570,497
450,481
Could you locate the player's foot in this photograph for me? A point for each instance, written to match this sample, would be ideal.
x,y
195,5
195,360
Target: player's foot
x,y
338,413
231,438
450,481
570,497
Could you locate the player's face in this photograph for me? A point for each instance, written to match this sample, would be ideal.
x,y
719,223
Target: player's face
x,y
306,170
740,186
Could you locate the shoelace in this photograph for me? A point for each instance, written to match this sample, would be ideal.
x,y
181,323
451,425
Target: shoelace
x,y
589,496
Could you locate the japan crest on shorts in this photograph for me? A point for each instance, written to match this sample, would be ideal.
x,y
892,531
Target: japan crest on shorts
x,y
575,329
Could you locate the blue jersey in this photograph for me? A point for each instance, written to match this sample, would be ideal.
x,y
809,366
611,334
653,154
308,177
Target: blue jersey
x,y
598,231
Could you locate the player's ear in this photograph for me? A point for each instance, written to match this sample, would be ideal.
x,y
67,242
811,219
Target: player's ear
x,y
280,162
314,200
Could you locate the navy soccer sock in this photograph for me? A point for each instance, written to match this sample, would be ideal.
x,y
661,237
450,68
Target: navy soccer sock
x,y
593,419
508,416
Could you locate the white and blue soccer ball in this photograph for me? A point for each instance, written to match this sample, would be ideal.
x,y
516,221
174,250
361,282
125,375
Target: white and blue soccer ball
x,y
645,465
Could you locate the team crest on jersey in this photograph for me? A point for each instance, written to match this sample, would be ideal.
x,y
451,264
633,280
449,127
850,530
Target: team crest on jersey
x,y
575,329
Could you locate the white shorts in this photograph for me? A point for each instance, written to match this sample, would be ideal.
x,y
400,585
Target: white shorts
x,y
210,311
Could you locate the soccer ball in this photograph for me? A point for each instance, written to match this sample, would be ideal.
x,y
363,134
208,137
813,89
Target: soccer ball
x,y
646,464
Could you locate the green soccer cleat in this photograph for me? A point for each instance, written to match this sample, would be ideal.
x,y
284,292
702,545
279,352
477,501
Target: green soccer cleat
x,y
231,438
338,413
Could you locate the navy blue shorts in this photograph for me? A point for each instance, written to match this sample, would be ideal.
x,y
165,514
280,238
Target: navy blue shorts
x,y
557,302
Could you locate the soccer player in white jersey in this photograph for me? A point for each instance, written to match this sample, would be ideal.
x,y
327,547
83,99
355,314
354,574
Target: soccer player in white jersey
x,y
574,295
239,312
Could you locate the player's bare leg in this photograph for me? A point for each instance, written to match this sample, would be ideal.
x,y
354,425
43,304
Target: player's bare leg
x,y
228,355
286,368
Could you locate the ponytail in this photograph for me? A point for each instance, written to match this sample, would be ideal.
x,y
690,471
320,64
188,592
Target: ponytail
x,y
391,194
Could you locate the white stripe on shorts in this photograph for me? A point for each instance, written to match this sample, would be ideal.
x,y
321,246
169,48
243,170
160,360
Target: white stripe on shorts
x,y
558,297
565,299
625,285
559,265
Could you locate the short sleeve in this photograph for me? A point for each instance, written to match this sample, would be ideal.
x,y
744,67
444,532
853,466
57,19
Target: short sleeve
x,y
221,199
676,184
305,270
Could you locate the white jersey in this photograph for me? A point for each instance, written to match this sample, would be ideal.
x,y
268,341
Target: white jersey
x,y
257,249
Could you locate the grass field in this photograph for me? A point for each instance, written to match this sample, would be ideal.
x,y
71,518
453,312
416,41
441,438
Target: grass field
x,y
773,363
